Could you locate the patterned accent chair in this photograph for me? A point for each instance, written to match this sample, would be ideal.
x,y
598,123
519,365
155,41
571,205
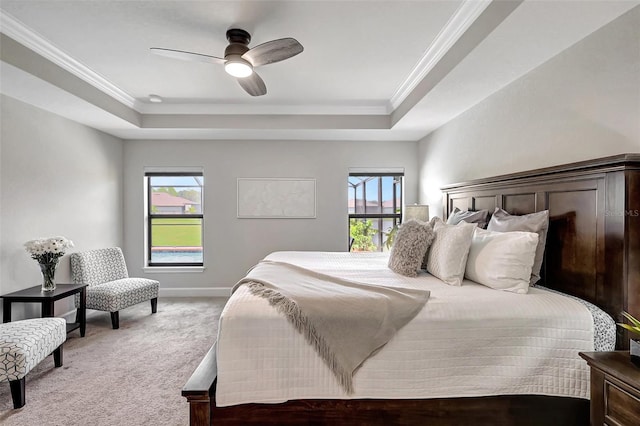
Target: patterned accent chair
x,y
23,344
109,287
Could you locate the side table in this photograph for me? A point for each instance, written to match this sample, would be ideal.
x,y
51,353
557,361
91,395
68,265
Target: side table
x,y
615,388
47,300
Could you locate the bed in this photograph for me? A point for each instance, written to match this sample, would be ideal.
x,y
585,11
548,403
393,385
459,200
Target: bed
x,y
592,253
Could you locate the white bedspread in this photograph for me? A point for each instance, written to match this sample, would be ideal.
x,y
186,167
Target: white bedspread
x,y
466,341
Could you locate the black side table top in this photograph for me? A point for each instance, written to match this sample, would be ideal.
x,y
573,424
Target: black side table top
x,y
47,300
36,294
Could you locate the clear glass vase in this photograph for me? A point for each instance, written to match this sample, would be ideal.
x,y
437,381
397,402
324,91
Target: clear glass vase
x,y
48,275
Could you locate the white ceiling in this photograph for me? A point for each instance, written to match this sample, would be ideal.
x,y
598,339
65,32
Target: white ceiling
x,y
371,70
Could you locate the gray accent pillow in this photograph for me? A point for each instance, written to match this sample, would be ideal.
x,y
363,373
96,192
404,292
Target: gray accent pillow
x,y
479,217
447,257
409,247
538,222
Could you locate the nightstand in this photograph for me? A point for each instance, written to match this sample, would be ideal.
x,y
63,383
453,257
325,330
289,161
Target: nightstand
x,y
615,388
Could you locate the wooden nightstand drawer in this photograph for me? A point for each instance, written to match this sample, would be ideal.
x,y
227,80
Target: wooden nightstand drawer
x,y
621,407
615,389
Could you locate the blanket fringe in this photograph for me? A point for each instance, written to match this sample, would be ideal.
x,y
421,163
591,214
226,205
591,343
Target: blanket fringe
x,y
291,310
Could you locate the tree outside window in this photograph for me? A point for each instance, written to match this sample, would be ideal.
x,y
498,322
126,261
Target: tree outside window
x,y
375,209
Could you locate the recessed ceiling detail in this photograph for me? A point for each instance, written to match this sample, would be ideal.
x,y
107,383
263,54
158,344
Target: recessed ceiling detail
x,y
370,70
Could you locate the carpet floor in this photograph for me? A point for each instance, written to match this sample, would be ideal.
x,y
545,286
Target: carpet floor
x,y
130,376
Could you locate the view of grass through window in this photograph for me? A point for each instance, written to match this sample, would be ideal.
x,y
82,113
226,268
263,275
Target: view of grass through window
x,y
375,210
175,219
176,232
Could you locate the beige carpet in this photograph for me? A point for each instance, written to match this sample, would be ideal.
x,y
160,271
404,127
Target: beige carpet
x,y
130,376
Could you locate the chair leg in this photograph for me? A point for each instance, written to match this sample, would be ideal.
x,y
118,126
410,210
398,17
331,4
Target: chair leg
x,y
17,392
115,320
57,356
154,305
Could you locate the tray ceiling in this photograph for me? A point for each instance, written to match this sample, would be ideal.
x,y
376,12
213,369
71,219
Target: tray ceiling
x,y
371,70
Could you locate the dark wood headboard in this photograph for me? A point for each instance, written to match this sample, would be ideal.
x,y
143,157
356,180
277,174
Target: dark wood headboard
x,y
593,244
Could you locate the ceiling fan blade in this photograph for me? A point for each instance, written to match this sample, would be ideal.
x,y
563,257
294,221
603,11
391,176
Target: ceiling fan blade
x,y
186,56
253,85
273,51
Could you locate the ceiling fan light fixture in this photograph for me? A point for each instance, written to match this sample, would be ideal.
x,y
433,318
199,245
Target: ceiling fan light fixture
x,y
239,60
238,67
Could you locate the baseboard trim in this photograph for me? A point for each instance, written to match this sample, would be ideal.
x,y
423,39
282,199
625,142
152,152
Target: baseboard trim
x,y
195,292
70,316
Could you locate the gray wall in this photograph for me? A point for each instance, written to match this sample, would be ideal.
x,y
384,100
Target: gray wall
x,y
233,245
57,177
582,104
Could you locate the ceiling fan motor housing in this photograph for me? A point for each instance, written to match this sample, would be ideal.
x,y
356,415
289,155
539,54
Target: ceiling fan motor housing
x,y
235,64
236,35
235,49
238,43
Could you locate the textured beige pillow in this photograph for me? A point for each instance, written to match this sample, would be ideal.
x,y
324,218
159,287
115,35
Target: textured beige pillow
x,y
502,221
409,247
447,257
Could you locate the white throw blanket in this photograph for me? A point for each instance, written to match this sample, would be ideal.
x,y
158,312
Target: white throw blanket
x,y
345,321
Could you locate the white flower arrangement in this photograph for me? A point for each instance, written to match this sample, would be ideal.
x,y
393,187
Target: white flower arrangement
x,y
48,250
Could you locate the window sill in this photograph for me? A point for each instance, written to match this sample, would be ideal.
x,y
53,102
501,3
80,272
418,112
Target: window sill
x,y
172,269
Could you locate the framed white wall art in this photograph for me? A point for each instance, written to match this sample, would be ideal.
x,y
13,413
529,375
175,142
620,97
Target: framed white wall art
x,y
276,198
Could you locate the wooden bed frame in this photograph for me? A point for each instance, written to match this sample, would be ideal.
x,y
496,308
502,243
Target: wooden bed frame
x,y
593,252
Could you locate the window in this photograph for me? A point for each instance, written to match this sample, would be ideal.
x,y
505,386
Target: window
x,y
375,209
174,219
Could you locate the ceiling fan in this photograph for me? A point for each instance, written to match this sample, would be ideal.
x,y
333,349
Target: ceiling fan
x,y
240,61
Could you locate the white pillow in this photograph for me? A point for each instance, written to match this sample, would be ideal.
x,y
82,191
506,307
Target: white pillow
x,y
447,256
502,260
538,222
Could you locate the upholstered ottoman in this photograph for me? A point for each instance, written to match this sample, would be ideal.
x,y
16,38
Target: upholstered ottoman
x,y
23,344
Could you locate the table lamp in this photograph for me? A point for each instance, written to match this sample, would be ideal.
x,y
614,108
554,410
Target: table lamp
x,y
416,211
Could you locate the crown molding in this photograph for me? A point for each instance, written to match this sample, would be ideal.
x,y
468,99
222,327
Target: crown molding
x,y
169,107
34,41
459,22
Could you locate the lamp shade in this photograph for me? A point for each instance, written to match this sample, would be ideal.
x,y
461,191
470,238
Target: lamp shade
x,y
416,211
